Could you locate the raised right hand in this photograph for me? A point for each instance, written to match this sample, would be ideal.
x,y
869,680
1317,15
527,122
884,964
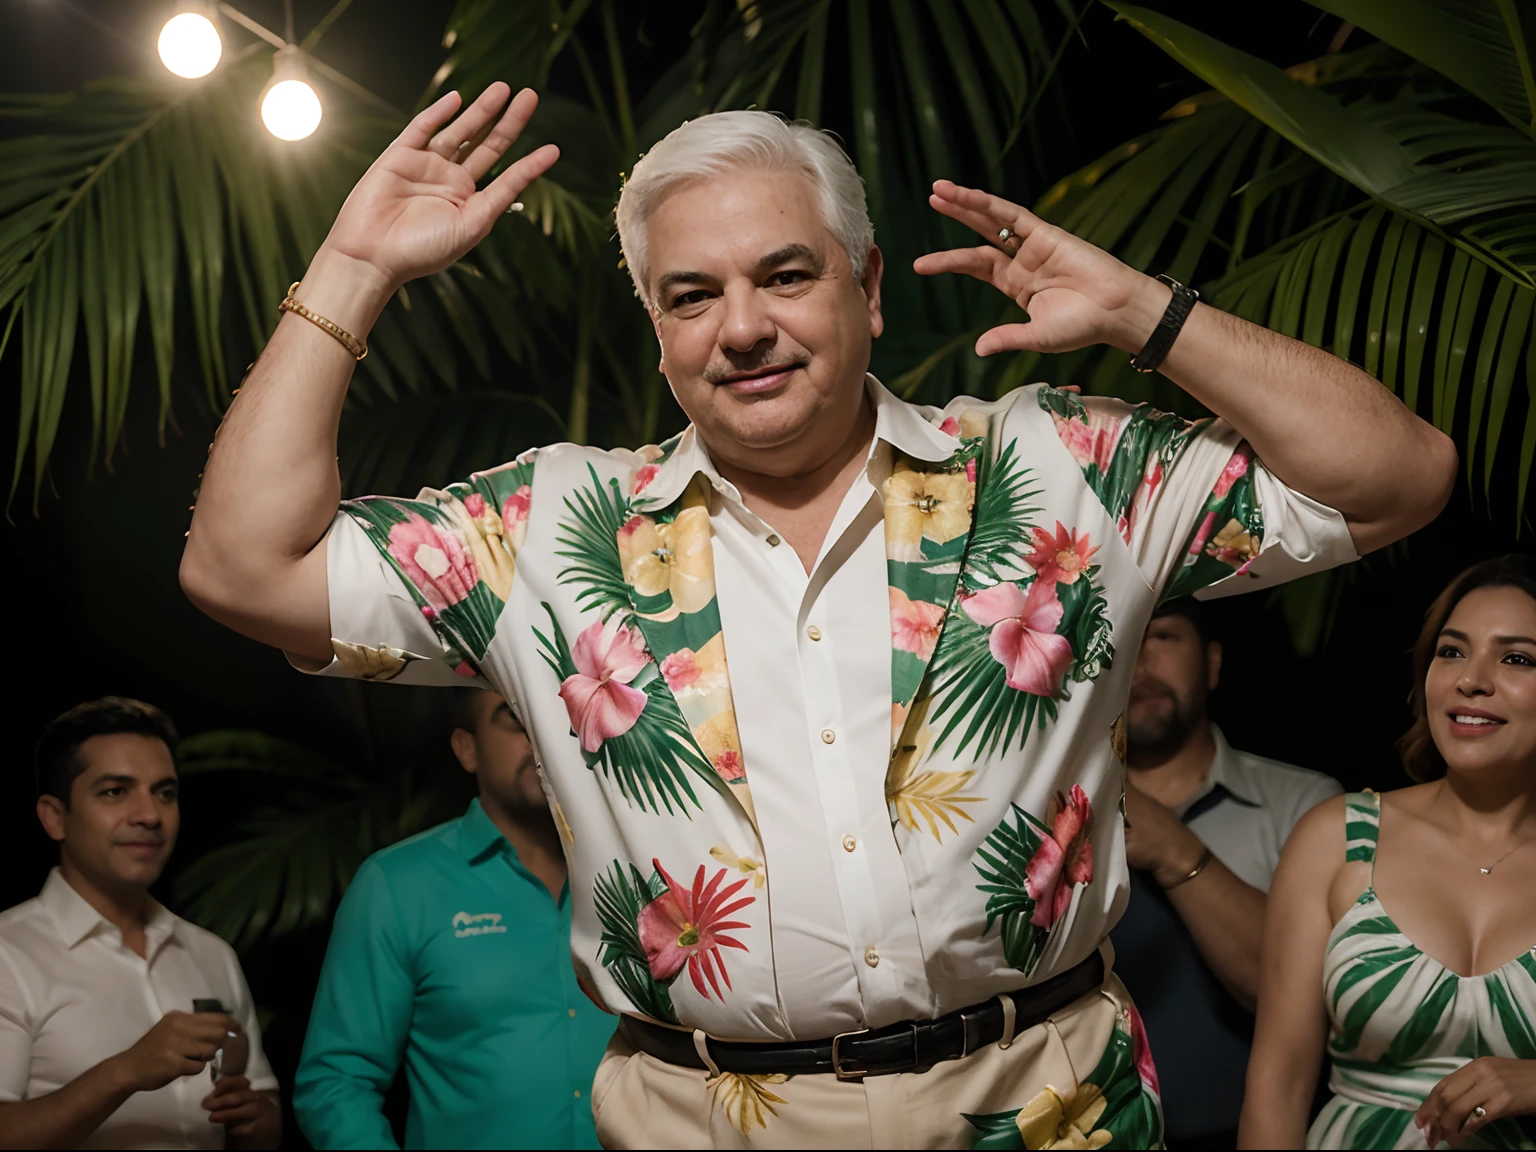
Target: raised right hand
x,y
416,209
181,1044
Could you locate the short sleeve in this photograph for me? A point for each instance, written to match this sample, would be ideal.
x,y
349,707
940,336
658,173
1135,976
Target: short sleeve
x,y
417,587
15,1034
1199,512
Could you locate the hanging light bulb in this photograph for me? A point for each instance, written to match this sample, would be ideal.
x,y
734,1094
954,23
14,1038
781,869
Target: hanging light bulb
x,y
189,43
289,107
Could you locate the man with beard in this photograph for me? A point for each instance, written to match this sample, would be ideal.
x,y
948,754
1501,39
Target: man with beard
x,y
1204,825
451,955
112,1007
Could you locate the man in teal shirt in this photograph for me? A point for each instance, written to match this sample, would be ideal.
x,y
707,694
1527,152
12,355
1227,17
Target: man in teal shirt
x,y
451,953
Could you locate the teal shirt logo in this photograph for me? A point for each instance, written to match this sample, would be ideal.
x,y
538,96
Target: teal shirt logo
x,y
477,923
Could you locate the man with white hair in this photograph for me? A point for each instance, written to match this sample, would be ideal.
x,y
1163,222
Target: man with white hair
x,y
825,689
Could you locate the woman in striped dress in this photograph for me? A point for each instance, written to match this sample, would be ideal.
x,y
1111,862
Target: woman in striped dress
x,y
1421,905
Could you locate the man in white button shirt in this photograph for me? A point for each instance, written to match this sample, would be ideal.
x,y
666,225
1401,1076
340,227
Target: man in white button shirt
x,y
100,1046
827,691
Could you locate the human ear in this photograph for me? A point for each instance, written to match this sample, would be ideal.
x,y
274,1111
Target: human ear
x,y
50,813
463,745
874,267
1212,665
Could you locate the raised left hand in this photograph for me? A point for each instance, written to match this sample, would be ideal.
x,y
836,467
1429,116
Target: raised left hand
x,y
242,1110
1075,294
1500,1086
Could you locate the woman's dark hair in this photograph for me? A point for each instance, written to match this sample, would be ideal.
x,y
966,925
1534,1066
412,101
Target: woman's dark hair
x,y
58,760
1421,759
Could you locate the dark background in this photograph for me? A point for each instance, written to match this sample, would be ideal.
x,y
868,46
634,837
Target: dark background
x,y
91,580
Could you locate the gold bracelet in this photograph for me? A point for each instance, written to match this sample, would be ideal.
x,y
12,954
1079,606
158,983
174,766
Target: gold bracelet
x,y
352,344
1205,858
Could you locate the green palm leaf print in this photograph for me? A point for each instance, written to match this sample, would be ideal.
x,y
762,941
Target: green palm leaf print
x,y
619,900
1004,865
651,762
589,539
1003,511
970,684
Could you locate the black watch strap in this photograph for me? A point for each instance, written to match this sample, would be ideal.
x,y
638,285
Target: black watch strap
x,y
1167,329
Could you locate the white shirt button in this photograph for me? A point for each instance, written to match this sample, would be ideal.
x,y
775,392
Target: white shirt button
x,y
871,957
849,843
827,735
773,540
813,632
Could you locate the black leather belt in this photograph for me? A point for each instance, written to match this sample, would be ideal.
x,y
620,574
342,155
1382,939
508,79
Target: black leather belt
x,y
911,1046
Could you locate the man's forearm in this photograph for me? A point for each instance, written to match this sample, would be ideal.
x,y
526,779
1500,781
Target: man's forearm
x,y
1323,426
271,485
66,1118
1225,918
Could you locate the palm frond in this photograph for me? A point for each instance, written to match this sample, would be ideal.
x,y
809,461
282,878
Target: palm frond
x,y
1003,867
1003,519
589,539
969,684
618,901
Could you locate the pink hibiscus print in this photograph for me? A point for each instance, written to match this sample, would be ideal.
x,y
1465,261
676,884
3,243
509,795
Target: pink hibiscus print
x,y
1236,469
1024,639
433,560
1090,438
729,765
915,624
1063,860
687,926
1061,558
681,669
1141,1050
644,476
950,426
598,698
514,510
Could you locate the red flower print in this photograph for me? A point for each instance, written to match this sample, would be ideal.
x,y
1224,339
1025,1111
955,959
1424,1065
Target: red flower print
x,y
598,698
1091,438
915,624
950,426
687,926
1061,558
515,509
435,561
474,504
681,670
729,765
1063,860
1141,1051
1236,469
644,476
1023,638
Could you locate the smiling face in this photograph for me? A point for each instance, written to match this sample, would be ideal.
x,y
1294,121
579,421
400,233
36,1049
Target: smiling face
x,y
1480,691
123,815
765,328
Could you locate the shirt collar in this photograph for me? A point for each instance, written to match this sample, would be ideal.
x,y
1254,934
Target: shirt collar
x,y
477,836
1227,771
75,920
901,425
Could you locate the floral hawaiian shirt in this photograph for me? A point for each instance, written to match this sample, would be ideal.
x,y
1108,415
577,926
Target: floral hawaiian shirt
x,y
798,803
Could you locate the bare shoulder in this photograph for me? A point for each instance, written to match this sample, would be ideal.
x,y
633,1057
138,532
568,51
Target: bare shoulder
x,y
1414,800
1319,834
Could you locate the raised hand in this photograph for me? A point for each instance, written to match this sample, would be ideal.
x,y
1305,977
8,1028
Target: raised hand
x,y
416,210
1075,294
180,1044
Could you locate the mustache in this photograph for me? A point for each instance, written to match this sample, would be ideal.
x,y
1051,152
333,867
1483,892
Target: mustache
x,y
716,373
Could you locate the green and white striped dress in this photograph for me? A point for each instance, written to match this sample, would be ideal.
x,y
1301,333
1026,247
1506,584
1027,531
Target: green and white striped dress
x,y
1403,1022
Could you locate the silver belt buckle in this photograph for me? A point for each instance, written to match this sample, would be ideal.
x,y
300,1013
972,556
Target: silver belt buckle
x,y
837,1065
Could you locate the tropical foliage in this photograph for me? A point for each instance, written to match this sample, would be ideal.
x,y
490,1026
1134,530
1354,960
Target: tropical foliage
x,y
1378,200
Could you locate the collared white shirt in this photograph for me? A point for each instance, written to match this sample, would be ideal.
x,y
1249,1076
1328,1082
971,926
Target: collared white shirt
x,y
72,994
857,821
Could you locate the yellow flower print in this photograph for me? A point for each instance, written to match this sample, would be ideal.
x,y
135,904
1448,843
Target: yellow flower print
x,y
719,742
674,558
563,826
743,864
974,423
364,663
1234,545
1047,1121
477,524
1118,734
924,505
931,796
746,1099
